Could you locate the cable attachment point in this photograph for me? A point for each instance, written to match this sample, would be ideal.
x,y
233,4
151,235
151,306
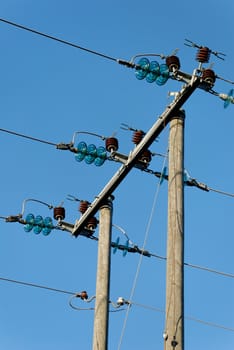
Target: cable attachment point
x,y
126,63
65,146
13,218
174,343
119,303
83,296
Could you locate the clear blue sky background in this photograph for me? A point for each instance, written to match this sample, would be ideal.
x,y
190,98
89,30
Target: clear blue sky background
x,y
49,91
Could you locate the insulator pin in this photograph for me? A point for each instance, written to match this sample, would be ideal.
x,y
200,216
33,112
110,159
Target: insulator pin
x,y
146,157
137,136
112,144
83,206
203,55
92,223
59,213
208,75
173,63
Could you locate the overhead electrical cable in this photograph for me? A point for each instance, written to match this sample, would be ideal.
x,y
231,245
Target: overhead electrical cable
x,y
211,324
65,42
37,286
226,274
27,137
190,182
149,307
141,256
221,192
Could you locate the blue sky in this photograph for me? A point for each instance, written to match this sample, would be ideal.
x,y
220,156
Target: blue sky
x,y
49,91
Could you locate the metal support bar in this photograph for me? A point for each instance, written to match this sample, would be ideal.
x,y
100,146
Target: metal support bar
x,y
148,139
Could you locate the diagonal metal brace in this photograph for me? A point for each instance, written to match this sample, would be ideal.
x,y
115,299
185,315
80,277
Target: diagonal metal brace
x,y
148,139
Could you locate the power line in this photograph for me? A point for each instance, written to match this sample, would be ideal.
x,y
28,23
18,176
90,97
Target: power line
x,y
149,307
226,274
210,270
27,137
221,192
37,286
65,42
191,182
211,324
141,256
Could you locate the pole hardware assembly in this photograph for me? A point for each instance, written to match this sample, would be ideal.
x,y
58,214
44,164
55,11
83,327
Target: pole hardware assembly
x,y
147,140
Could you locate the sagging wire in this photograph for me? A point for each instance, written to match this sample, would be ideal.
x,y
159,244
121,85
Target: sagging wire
x,y
120,301
132,248
83,296
188,180
141,256
18,217
65,42
34,200
124,233
207,75
29,284
61,145
118,306
87,133
27,137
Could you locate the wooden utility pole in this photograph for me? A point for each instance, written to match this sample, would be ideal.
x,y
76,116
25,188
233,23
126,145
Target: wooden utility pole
x,y
174,328
101,317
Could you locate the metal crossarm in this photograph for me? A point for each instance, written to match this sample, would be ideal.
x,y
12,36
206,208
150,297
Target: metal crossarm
x,y
148,139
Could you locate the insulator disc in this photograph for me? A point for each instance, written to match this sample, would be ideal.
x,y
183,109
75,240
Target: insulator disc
x,y
142,68
91,154
92,223
154,72
203,55
112,144
28,227
146,156
82,147
101,156
208,75
116,245
99,161
29,223
59,213
164,75
30,219
137,136
39,223
173,63
48,226
83,206
79,156
229,99
101,152
125,251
